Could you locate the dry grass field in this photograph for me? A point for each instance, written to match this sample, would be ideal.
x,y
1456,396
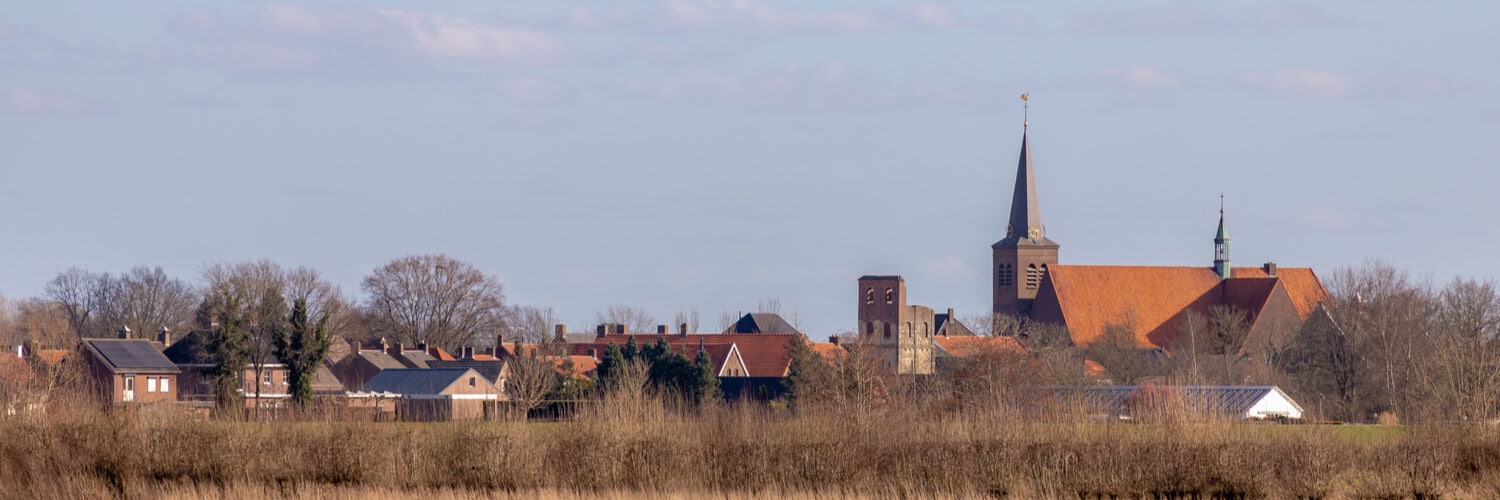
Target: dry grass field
x,y
628,451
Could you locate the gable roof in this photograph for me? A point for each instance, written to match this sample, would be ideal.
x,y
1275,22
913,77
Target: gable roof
x,y
490,369
947,324
761,322
133,355
764,354
325,381
1217,399
1157,297
417,381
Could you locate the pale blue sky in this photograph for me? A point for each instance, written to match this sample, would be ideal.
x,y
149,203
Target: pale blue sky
x,y
701,154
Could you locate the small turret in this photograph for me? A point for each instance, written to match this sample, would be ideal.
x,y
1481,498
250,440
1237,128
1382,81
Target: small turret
x,y
1221,246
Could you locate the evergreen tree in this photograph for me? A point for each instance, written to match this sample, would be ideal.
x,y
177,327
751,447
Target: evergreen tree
x,y
301,347
708,393
806,376
631,350
227,346
614,359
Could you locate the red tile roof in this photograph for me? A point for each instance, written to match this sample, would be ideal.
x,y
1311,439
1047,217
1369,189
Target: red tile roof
x,y
969,346
828,350
1157,297
764,354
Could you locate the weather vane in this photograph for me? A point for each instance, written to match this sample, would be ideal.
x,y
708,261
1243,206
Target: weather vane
x,y
1221,204
1025,110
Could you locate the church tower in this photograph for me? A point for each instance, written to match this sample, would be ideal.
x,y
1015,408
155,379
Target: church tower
x,y
1221,247
1022,257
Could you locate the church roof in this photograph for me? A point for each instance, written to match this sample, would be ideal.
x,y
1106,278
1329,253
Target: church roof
x,y
1025,211
1157,297
961,347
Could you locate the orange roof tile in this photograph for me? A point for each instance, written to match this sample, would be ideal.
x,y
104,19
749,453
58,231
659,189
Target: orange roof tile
x,y
51,356
969,346
828,350
1301,283
1091,297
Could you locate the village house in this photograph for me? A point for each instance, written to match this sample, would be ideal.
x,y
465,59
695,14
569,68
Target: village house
x,y
129,370
436,394
1130,402
747,364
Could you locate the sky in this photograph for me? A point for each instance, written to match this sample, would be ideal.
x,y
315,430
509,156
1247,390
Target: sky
x,y
709,155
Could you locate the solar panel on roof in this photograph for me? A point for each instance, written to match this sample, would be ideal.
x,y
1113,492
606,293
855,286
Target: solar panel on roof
x,y
133,355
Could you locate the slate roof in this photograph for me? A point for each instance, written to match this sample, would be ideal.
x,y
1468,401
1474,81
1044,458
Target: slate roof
x,y
411,358
132,355
324,381
379,359
944,324
190,349
1159,296
416,381
489,369
761,323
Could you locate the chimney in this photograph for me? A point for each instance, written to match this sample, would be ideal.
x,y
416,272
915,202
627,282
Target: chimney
x,y
682,329
950,314
164,336
499,345
400,348
834,339
384,345
124,332
1271,269
355,346
468,352
593,353
562,332
422,346
600,330
623,328
662,330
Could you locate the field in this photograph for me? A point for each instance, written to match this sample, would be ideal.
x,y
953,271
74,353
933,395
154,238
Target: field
x,y
740,453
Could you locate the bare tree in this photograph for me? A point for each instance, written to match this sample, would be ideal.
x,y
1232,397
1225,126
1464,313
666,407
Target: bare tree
x,y
146,299
45,323
727,320
529,380
769,305
636,320
1386,315
1463,374
8,330
534,323
689,318
434,298
81,294
1117,352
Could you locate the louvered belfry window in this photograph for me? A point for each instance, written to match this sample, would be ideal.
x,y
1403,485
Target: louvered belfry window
x,y
1033,277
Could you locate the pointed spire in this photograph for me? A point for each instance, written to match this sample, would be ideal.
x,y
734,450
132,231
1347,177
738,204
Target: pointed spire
x,y
1221,246
1025,212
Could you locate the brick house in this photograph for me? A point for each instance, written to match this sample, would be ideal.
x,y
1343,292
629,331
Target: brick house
x,y
130,370
437,394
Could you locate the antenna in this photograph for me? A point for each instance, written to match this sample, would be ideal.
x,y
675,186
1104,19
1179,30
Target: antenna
x,y
1025,110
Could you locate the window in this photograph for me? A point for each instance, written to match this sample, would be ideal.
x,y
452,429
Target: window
x,y
870,295
889,295
165,387
130,382
1005,275
150,384
870,328
909,330
1033,276
266,378
471,381
887,330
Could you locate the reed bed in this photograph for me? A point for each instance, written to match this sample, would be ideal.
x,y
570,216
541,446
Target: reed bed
x,y
633,449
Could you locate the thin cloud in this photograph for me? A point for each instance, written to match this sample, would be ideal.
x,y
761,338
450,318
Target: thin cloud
x,y
1302,81
286,38
459,38
754,16
1152,21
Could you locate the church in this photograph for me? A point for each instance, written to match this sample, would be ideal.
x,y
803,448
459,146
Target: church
x,y
1029,282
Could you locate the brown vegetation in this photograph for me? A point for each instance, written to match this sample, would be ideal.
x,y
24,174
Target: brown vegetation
x,y
635,445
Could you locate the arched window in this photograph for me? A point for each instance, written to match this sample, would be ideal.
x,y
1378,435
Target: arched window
x,y
909,330
870,295
924,328
887,330
1005,275
889,295
1033,277
869,328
